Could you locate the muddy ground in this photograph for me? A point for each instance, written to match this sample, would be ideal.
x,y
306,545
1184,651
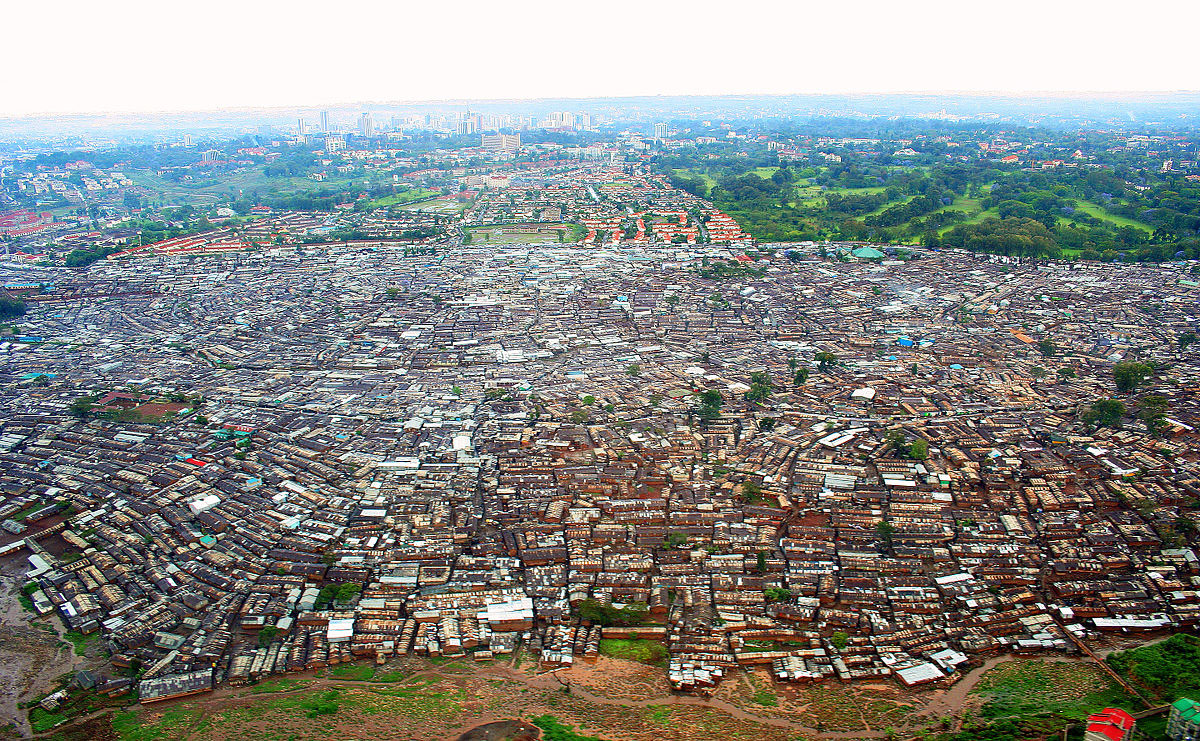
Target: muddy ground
x,y
32,656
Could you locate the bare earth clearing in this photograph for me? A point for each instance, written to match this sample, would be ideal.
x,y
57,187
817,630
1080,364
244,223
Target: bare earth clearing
x,y
612,699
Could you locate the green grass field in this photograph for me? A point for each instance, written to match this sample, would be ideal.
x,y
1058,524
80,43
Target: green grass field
x,y
1094,210
408,196
709,181
813,195
765,172
1033,686
355,672
647,652
972,218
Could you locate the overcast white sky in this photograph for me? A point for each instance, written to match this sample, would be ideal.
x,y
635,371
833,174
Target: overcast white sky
x,y
155,55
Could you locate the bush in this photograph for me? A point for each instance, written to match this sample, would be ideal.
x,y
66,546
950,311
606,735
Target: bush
x,y
1170,669
553,730
598,613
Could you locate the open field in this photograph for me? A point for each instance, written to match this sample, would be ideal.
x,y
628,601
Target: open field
x,y
437,206
207,192
613,699
404,197
814,195
1092,209
709,180
972,218
522,234
1030,686
647,652
856,191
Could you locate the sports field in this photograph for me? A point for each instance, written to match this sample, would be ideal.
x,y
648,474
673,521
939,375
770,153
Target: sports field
x,y
521,234
437,206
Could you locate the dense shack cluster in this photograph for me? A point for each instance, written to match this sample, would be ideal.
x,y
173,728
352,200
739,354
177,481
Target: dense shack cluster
x,y
266,462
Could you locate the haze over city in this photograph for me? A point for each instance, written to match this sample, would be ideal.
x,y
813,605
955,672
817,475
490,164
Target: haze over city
x,y
138,55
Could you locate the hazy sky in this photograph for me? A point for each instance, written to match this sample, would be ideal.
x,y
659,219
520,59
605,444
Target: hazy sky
x,y
139,55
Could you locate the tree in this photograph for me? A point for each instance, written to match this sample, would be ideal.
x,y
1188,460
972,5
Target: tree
x,y
674,540
1151,407
885,530
801,376
777,594
634,369
82,407
762,562
1185,339
919,450
11,308
760,386
766,424
839,639
710,402
1152,410
1105,413
1066,373
1047,347
825,360
588,400
1038,371
1129,375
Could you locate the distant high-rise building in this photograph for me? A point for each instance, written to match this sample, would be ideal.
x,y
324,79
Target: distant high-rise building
x,y
187,140
334,144
324,122
660,131
301,126
366,125
501,142
210,155
467,126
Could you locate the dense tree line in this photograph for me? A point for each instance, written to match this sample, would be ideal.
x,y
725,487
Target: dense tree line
x,y
1119,211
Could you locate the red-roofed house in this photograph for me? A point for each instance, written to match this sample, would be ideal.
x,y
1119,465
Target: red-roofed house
x,y
1110,724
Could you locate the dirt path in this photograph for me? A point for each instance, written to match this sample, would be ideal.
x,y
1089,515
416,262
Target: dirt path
x,y
951,701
